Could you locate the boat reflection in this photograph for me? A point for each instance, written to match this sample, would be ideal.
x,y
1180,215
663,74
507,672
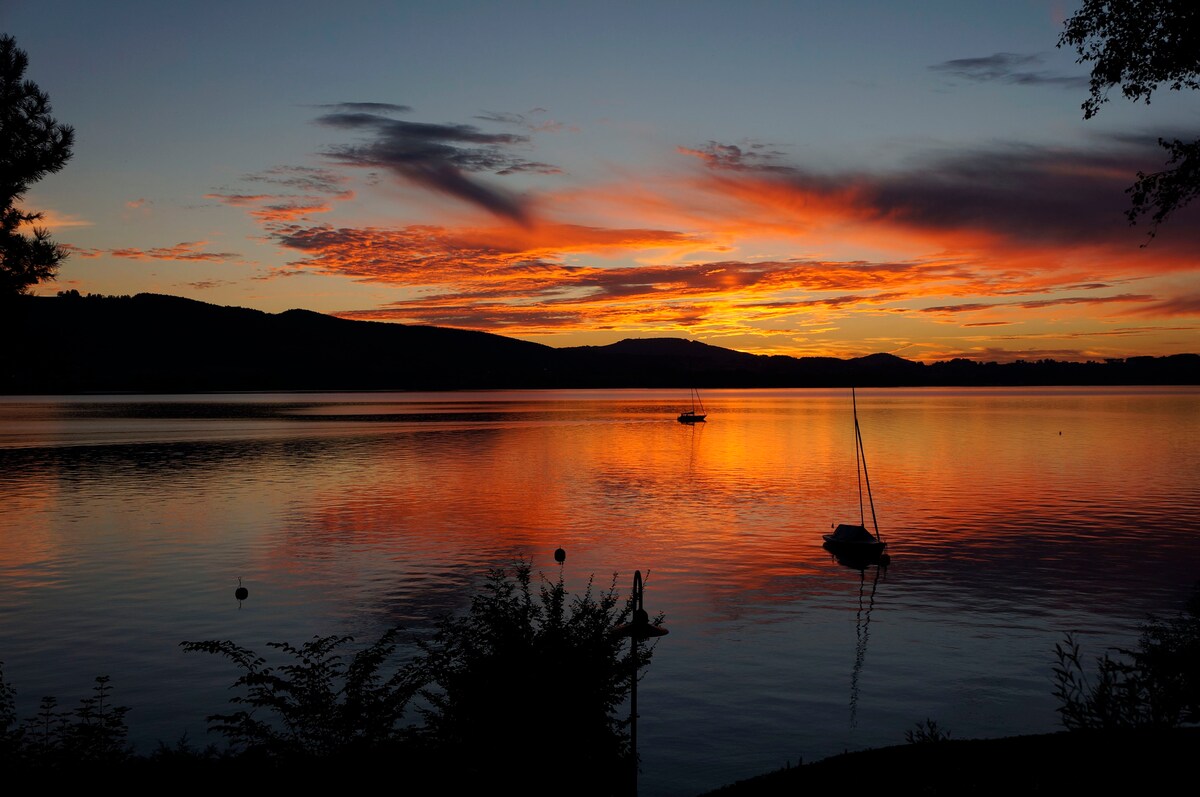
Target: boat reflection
x,y
858,559
862,618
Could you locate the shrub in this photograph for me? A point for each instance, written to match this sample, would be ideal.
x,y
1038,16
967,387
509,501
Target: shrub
x,y
523,677
94,733
318,706
1156,685
926,732
10,732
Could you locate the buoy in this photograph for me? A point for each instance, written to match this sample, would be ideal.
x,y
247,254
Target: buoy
x,y
241,593
560,556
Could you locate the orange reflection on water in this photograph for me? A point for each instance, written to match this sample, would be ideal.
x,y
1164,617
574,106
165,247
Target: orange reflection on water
x,y
734,505
28,543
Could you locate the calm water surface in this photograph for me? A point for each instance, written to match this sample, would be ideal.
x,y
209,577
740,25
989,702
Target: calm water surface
x,y
1012,516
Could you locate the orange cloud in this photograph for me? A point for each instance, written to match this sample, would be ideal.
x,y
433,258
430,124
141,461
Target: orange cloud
x,y
186,251
744,245
53,220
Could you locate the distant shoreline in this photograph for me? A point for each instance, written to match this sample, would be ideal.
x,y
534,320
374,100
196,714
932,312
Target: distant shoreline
x,y
155,344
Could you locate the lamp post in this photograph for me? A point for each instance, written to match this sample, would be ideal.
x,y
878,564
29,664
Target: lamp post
x,y
637,630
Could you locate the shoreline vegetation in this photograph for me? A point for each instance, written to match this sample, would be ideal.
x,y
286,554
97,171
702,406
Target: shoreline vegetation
x,y
530,682
152,343
528,669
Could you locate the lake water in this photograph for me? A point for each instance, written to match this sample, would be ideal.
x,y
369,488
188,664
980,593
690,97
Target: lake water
x,y
1012,516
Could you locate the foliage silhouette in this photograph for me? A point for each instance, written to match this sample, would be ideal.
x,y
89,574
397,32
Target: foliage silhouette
x,y
95,733
926,732
10,731
32,145
1157,685
319,706
1138,45
525,676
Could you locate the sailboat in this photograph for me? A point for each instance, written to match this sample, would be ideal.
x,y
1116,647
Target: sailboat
x,y
850,541
696,414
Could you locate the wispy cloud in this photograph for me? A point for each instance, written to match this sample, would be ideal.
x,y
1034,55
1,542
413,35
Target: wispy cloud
x,y
366,107
531,121
1187,305
305,179
739,157
1008,68
53,220
204,285
307,191
191,251
440,157
1037,304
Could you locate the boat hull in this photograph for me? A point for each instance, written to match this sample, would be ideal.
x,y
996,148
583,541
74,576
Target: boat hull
x,y
842,547
849,540
858,556
691,417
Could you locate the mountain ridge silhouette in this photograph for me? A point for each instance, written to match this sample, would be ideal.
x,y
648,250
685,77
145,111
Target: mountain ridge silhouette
x,y
157,343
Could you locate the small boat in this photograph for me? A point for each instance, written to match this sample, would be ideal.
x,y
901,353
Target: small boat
x,y
850,541
696,414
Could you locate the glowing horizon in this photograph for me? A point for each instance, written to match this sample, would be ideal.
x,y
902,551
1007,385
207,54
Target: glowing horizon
x,y
983,218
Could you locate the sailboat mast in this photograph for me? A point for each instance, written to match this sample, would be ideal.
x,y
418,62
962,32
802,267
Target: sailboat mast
x,y
862,455
859,460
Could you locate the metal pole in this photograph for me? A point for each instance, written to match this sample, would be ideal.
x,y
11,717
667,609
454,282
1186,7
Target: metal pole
x,y
638,613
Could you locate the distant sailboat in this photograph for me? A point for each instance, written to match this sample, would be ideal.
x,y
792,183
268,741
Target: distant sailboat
x,y
696,414
850,541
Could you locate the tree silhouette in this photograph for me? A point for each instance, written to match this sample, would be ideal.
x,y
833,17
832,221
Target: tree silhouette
x,y
32,145
1138,45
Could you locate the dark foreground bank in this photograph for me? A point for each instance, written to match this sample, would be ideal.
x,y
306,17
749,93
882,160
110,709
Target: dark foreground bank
x,y
1100,762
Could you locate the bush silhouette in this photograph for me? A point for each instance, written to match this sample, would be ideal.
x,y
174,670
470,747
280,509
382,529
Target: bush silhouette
x,y
525,675
95,733
318,706
531,677
1156,685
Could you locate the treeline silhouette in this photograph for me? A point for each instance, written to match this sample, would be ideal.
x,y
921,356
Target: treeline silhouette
x,y
154,343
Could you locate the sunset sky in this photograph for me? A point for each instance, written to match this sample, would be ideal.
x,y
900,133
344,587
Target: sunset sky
x,y
832,178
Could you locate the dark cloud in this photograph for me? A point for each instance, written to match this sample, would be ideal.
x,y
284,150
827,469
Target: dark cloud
x,y
439,157
239,200
203,285
1035,195
1188,306
1008,68
308,179
528,121
1026,191
367,107
503,117
1034,304
743,157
